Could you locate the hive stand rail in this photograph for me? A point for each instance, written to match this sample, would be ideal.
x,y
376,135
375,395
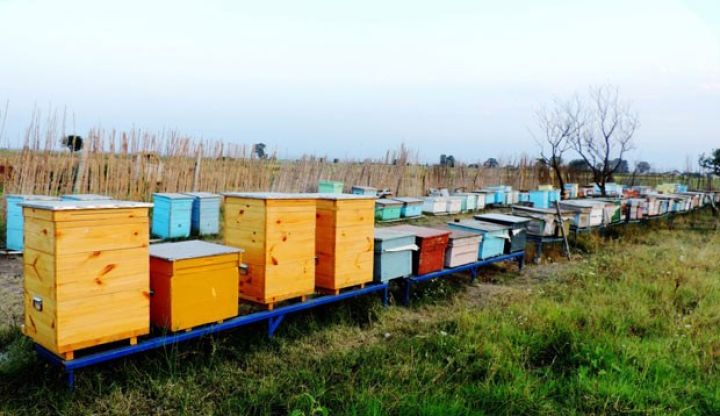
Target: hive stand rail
x,y
409,282
273,317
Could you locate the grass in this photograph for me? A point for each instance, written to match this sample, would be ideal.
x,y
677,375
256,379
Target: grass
x,y
629,327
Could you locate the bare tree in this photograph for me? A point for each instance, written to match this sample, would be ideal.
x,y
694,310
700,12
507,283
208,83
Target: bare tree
x,y
607,135
559,124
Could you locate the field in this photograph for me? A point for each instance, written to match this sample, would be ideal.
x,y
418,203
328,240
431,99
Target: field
x,y
628,326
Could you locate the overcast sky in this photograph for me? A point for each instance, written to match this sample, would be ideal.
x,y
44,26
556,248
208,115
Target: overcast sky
x,y
354,78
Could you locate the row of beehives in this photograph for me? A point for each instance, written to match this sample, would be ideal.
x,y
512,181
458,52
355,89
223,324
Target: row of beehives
x,y
88,280
91,277
175,215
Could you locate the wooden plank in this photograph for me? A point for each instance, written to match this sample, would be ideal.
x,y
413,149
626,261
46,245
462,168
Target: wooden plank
x,y
71,240
40,235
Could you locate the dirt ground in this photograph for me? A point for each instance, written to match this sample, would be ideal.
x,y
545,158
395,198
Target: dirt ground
x,y
10,290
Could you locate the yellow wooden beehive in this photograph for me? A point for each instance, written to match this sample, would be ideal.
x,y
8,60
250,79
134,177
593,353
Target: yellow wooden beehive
x,y
86,273
193,283
277,232
344,241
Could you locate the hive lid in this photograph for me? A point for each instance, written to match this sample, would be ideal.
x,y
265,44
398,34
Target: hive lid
x,y
423,232
172,195
203,195
34,197
504,218
73,205
480,225
270,195
341,197
387,202
382,234
458,234
190,250
86,197
408,200
365,188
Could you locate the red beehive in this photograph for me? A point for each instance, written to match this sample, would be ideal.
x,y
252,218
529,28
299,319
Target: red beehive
x,y
432,244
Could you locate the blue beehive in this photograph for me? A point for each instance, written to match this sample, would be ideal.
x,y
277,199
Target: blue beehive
x,y
393,254
85,197
205,216
14,219
494,236
171,215
412,207
539,199
363,190
554,195
524,197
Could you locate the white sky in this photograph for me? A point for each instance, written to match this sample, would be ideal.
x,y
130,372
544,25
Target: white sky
x,y
352,79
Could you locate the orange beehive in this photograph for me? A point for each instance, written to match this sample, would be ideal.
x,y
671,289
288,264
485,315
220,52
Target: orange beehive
x,y
86,273
277,232
344,241
193,283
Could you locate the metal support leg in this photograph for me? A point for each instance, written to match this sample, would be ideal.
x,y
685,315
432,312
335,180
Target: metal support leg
x,y
386,295
273,324
538,251
473,274
521,262
70,379
406,295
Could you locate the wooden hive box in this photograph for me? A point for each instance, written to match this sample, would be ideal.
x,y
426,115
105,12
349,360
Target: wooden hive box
x,y
330,187
518,229
435,205
277,232
205,213
344,241
462,248
412,207
85,197
363,190
86,273
14,218
494,236
171,215
393,254
193,283
388,209
431,242
454,204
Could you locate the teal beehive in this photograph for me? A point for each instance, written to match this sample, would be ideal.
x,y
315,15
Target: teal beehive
x,y
363,190
494,236
330,187
411,207
393,254
171,215
205,213
387,209
14,218
539,199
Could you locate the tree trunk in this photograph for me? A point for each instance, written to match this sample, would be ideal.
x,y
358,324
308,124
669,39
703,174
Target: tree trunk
x,y
561,181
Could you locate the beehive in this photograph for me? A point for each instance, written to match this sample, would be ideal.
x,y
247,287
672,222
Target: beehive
x,y
518,229
14,218
193,283
85,197
435,205
344,241
430,256
411,207
494,236
330,187
205,213
277,232
462,248
387,209
171,215
393,254
86,273
363,190
468,202
543,222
